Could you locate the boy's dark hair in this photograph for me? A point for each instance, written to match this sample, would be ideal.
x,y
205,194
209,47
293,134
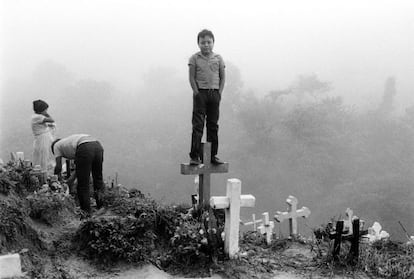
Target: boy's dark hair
x,y
204,33
53,145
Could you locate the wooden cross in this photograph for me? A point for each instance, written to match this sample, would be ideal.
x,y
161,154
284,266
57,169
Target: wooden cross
x,y
339,237
204,171
292,214
267,227
232,203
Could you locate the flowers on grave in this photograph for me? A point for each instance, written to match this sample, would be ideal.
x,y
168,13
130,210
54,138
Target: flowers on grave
x,y
188,241
376,233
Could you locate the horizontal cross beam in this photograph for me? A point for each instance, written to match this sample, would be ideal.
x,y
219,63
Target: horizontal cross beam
x,y
204,169
224,202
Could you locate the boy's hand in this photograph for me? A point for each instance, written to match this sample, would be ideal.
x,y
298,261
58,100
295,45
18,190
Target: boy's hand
x,y
195,93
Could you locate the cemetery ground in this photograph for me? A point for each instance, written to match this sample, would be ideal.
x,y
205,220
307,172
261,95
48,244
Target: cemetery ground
x,y
135,237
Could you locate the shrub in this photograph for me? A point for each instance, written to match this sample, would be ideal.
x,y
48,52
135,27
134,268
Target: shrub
x,y
388,259
113,238
12,216
5,184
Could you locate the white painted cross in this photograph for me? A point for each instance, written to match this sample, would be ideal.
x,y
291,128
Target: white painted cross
x,y
232,203
254,222
267,227
292,214
348,222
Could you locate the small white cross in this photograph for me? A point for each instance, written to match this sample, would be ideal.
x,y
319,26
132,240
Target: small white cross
x,y
267,227
349,213
254,222
292,214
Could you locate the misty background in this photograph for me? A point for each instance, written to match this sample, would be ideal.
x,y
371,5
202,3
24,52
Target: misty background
x,y
318,101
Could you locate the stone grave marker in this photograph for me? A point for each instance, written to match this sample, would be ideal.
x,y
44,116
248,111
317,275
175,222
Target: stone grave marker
x,y
292,214
13,157
20,156
27,163
232,203
10,266
204,172
41,175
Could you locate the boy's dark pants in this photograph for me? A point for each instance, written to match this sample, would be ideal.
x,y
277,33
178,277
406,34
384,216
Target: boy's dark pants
x,y
205,106
89,157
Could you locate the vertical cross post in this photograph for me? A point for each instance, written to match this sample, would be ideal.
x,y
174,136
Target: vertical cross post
x,y
204,172
354,251
232,203
292,214
204,178
267,227
338,238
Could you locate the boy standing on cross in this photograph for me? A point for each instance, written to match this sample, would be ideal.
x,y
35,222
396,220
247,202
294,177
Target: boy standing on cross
x,y
207,78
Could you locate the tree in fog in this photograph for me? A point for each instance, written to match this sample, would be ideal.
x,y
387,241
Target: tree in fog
x,y
388,98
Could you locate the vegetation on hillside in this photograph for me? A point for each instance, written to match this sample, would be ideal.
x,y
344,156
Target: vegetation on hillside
x,y
44,227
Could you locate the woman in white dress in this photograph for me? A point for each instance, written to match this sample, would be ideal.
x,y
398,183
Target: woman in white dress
x,y
43,127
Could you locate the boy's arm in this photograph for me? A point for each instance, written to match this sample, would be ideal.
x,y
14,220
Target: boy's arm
x,y
222,76
192,79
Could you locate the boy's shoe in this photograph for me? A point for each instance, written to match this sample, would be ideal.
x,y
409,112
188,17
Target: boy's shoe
x,y
215,160
195,161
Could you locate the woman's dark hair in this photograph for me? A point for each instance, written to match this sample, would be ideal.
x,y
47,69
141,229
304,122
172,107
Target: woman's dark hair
x,y
39,106
53,145
204,33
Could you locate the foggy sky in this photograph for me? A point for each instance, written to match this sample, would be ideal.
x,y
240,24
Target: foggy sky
x,y
355,45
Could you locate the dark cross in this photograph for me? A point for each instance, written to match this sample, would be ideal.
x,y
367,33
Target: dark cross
x,y
339,237
354,250
204,171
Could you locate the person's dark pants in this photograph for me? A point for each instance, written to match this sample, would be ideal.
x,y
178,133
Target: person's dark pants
x,y
205,107
89,157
